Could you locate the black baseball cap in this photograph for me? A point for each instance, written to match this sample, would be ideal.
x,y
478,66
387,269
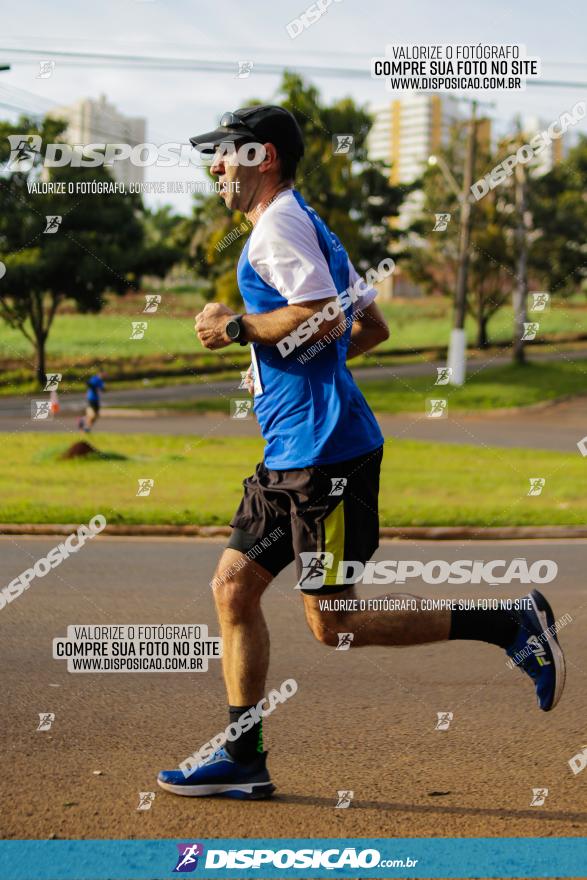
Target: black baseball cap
x,y
264,123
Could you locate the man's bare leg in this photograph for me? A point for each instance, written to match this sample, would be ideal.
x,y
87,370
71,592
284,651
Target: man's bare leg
x,y
527,633
240,770
238,586
376,627
91,416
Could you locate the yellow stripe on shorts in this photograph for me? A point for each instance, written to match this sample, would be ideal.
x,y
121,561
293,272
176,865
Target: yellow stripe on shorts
x,y
334,542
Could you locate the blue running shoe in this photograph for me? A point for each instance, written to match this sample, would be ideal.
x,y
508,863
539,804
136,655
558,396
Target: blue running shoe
x,y
536,650
221,775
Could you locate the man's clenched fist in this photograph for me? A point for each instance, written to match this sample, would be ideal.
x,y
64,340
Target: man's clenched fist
x,y
210,324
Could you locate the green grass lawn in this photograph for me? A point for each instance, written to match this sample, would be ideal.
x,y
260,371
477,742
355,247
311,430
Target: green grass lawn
x,y
423,323
491,388
198,480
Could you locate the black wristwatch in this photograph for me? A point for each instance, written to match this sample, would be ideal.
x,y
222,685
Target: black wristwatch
x,y
235,330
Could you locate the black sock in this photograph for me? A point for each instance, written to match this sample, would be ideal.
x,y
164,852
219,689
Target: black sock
x,y
495,627
249,744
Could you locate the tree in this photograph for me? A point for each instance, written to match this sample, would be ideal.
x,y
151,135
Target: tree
x,y
431,257
97,246
559,210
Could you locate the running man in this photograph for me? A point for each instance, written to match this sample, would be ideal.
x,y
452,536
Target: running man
x,y
95,386
314,498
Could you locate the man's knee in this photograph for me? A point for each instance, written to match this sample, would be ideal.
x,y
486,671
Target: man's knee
x,y
326,627
238,585
231,596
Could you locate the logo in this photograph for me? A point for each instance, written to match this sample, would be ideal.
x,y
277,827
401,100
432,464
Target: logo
x,y
240,409
54,557
145,487
152,301
443,375
187,860
536,485
310,16
304,331
41,409
540,301
138,329
538,650
436,408
530,331
444,719
23,150
244,69
442,221
53,223
46,69
539,795
213,751
435,571
344,800
579,761
146,799
25,147
344,641
46,719
314,567
343,145
53,380
582,447
338,484
500,173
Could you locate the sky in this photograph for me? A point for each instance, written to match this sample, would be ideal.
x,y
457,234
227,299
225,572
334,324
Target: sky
x,y
177,104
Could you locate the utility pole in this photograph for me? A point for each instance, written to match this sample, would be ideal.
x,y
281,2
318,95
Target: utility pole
x,y
520,298
457,352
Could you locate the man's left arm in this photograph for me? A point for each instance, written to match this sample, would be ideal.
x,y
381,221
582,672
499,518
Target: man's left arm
x,y
369,330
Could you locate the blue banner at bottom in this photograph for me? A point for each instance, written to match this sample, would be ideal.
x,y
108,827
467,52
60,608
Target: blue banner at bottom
x,y
284,857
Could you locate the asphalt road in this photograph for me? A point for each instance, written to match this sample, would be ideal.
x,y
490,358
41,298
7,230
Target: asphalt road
x,y
558,427
362,720
206,387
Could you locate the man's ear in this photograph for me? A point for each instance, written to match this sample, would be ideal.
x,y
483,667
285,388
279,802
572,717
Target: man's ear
x,y
271,159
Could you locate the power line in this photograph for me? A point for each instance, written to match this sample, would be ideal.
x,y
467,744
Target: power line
x,y
162,63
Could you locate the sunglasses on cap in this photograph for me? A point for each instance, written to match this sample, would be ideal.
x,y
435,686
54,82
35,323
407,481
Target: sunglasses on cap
x,y
231,120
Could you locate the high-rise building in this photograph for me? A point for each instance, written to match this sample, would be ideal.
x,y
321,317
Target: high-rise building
x,y
99,122
405,133
408,130
553,153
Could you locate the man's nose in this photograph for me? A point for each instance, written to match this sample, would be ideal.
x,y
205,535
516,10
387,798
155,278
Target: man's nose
x,y
217,166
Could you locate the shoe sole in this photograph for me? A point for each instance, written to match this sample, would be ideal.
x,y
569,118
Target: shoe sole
x,y
543,612
246,791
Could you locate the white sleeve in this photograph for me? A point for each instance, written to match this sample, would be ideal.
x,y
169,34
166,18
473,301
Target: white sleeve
x,y
366,293
285,252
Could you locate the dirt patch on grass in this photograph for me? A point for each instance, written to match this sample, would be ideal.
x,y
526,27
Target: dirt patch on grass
x,y
79,449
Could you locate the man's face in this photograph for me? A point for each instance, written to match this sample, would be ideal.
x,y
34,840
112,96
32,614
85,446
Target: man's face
x,y
241,183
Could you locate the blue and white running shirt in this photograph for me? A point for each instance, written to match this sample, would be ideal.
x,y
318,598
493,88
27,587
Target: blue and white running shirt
x,y
309,408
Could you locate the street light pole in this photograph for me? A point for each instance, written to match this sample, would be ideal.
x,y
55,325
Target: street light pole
x,y
457,351
520,297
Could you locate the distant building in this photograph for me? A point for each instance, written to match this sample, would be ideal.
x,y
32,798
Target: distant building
x,y
408,130
405,133
99,122
554,153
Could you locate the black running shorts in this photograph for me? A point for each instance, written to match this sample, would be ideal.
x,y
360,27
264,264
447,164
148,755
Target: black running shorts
x,y
325,517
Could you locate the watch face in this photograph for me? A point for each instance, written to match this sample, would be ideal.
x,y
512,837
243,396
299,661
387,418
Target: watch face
x,y
233,329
